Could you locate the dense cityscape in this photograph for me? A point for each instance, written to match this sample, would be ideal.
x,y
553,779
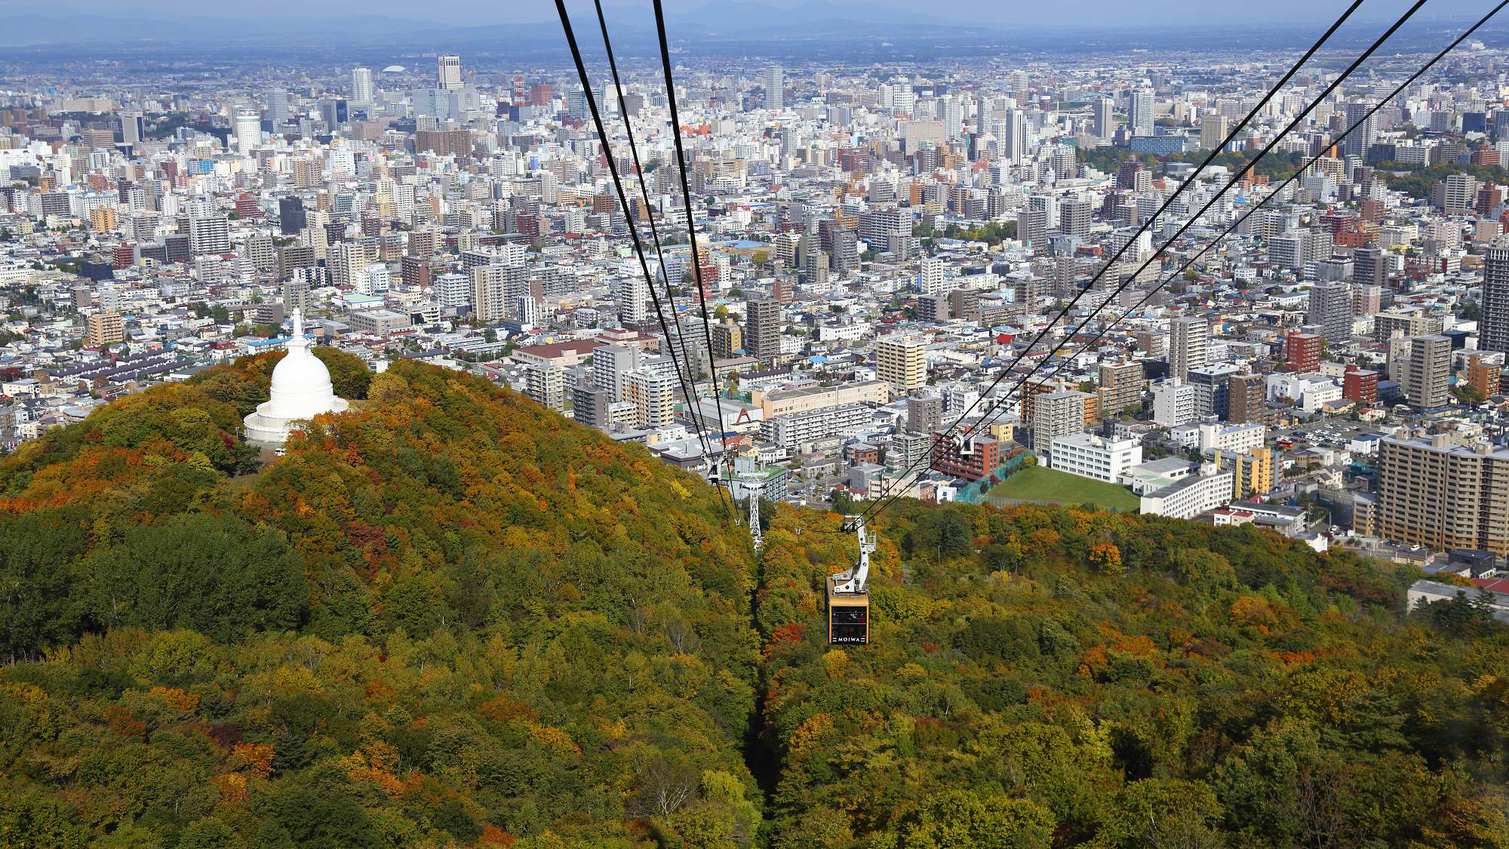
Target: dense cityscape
x,y
876,246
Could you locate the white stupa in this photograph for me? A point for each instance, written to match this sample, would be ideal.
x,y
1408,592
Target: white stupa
x,y
301,390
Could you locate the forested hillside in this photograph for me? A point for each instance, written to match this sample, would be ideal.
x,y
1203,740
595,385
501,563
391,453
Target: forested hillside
x,y
448,618
441,620
1046,677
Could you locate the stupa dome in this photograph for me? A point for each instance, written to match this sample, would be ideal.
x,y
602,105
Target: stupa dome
x,y
301,390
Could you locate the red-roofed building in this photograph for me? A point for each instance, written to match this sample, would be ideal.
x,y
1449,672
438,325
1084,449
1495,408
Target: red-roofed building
x,y
563,354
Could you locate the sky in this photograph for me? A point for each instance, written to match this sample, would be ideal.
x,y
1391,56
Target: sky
x,y
1062,13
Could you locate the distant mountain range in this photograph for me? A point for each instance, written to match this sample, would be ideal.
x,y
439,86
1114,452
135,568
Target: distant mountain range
x,y
839,31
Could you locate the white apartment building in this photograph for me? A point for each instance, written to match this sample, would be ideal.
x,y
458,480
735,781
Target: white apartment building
x,y
1175,403
1192,496
1091,456
1309,392
800,428
1240,438
653,395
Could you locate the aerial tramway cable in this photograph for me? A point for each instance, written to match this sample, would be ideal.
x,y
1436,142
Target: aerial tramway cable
x,y
698,418
999,403
691,224
581,70
1230,137
1264,201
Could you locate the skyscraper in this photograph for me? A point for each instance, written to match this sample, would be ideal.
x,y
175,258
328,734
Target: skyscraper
x,y
1331,310
1140,112
1188,344
132,127
1362,138
1493,328
291,216
762,329
1213,130
901,361
448,72
361,86
1425,379
1104,125
1014,137
277,107
775,87
248,131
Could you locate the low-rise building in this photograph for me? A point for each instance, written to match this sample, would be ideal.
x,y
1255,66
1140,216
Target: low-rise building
x,y
1091,456
1190,497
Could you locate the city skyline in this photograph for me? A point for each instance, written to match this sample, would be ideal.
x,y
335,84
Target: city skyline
x,y
348,21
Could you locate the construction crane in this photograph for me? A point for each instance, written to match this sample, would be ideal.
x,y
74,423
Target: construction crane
x,y
849,593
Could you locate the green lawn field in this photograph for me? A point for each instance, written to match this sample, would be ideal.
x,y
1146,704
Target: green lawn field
x,y
1041,485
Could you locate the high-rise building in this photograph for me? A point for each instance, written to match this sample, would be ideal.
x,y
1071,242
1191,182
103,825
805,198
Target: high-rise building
x,y
775,87
334,112
1213,130
1140,112
1444,495
1056,414
1361,139
1120,387
632,295
495,289
1369,267
277,107
762,329
1211,393
133,128
727,338
248,131
209,233
1493,327
448,72
1367,299
1074,217
1174,403
931,279
1483,376
902,362
924,413
1302,351
1429,369
453,290
1406,323
1245,394
1331,310
104,328
1188,344
653,394
292,219
610,366
546,384
1104,118
1360,386
1014,137
361,86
